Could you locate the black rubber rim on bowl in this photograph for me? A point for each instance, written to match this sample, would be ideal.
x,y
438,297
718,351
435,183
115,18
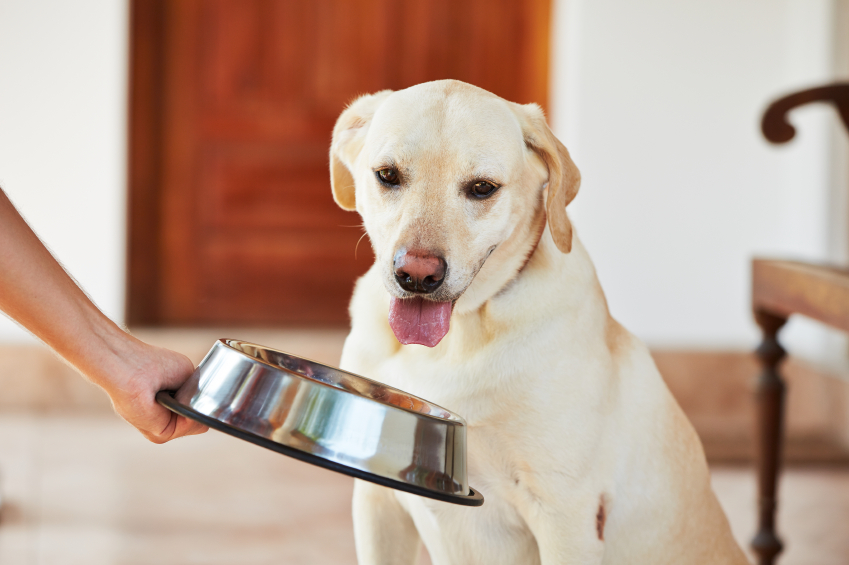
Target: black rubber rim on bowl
x,y
166,399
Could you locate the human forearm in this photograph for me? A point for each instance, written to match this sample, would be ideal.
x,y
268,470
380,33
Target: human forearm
x,y
35,290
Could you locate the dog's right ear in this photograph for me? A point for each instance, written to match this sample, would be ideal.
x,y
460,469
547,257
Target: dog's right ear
x,y
348,137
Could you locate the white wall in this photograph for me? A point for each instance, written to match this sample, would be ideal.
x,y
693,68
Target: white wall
x,y
63,68
659,102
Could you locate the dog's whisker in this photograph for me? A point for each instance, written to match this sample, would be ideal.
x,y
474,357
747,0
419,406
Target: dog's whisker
x,y
357,246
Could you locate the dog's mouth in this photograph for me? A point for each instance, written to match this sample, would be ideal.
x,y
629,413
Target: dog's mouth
x,y
419,321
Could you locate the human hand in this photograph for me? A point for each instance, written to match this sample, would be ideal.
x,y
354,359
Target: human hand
x,y
133,374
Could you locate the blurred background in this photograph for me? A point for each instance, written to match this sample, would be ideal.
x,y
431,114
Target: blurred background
x,y
173,156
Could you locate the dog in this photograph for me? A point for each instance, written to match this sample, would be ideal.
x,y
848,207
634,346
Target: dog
x,y
482,299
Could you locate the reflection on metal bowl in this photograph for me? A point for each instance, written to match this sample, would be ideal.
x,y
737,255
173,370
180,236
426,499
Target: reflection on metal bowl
x,y
329,417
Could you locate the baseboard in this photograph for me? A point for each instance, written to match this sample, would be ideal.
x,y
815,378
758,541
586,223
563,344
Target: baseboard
x,y
33,379
715,389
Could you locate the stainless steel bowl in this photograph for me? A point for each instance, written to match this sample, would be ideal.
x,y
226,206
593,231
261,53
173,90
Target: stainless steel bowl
x,y
330,418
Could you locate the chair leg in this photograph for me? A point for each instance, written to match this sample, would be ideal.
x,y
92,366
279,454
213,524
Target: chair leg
x,y
770,416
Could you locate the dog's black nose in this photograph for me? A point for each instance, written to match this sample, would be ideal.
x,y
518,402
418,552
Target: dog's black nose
x,y
419,271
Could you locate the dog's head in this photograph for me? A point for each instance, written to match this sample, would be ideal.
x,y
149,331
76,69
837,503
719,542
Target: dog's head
x,y
453,184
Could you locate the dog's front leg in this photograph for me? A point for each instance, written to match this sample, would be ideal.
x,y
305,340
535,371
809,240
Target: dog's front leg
x,y
383,531
572,535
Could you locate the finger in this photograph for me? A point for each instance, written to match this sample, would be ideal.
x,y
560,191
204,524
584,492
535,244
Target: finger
x,y
178,426
166,433
188,427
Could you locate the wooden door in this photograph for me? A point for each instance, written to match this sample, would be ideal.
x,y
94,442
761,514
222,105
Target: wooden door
x,y
232,107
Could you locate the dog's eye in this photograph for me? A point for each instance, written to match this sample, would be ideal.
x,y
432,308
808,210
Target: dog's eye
x,y
482,189
388,176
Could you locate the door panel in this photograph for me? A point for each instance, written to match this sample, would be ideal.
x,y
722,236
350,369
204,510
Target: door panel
x,y
232,106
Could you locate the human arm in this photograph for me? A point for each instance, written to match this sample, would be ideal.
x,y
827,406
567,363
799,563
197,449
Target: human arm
x,y
37,292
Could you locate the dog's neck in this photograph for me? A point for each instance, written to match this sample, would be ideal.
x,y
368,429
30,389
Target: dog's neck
x,y
540,229
559,294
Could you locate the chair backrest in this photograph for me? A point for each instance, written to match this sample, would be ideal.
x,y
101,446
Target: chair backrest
x,y
774,124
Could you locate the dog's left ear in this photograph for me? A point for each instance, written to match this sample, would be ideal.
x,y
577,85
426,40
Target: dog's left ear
x,y
564,179
348,137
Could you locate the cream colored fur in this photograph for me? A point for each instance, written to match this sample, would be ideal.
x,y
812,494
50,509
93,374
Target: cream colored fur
x,y
566,410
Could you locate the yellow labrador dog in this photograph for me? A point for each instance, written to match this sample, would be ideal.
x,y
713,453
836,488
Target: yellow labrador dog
x,y
482,299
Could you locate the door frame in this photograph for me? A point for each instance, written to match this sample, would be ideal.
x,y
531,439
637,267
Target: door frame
x,y
144,160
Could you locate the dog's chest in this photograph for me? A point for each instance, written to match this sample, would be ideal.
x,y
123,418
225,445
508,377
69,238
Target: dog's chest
x,y
494,533
478,385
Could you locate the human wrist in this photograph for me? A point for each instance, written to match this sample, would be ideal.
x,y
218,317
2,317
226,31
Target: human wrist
x,y
101,349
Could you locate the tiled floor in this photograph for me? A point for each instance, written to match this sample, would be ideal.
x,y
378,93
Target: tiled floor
x,y
89,490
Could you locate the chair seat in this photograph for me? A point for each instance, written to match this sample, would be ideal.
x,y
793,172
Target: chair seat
x,y
820,292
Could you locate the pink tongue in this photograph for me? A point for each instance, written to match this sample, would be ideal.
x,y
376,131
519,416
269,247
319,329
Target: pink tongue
x,y
416,320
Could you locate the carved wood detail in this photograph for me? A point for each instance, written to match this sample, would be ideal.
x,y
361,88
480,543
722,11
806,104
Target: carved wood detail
x,y
775,126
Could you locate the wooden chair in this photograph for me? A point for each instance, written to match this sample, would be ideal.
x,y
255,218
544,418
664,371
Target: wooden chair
x,y
779,290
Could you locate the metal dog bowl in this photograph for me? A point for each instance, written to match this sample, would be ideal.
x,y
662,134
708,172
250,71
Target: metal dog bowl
x,y
330,418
